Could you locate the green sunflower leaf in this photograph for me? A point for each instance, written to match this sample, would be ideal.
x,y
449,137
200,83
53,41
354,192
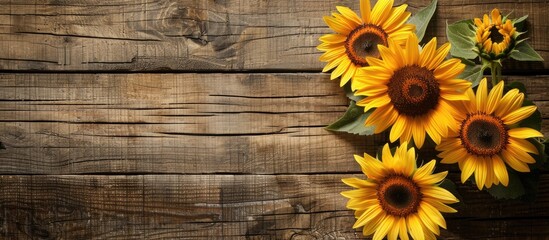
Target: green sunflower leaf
x,y
518,85
514,190
422,17
462,37
473,73
519,22
353,121
350,94
524,52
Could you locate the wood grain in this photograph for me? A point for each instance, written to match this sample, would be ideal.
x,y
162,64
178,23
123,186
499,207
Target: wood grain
x,y
182,123
202,35
228,207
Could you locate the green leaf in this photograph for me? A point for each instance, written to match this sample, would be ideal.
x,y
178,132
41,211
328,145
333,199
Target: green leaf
x,y
462,37
472,73
524,52
349,93
353,121
518,85
514,190
519,22
422,17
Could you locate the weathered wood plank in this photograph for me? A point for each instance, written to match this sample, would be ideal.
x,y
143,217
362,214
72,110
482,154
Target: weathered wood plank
x,y
182,123
195,35
228,206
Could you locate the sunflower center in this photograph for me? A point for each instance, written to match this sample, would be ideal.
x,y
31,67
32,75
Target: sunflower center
x,y
495,35
483,135
413,90
362,42
398,195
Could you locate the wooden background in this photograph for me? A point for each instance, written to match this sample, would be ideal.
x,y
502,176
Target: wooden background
x,y
203,119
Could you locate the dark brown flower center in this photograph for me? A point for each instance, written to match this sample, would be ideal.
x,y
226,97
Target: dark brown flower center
x,y
495,35
413,90
362,42
398,195
483,134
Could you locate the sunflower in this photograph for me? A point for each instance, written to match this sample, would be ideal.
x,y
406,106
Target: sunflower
x,y
398,198
412,91
357,37
495,37
489,137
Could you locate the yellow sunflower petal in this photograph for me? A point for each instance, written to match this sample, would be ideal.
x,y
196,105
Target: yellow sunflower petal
x,y
415,226
382,118
524,133
480,173
424,171
332,64
337,25
514,163
454,156
412,50
522,145
393,231
343,66
518,115
439,206
368,216
499,170
398,128
402,229
440,54
510,102
358,183
365,10
469,166
426,219
481,95
374,102
439,194
381,11
384,227
520,155
349,14
433,214
449,69
419,135
333,54
333,38
427,53
347,75
397,17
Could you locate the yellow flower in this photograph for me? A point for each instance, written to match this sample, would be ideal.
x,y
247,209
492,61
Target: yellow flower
x,y
489,137
357,37
494,36
412,91
398,198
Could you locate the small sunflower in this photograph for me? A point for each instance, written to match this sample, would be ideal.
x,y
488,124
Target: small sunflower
x,y
397,198
412,91
357,37
495,36
489,137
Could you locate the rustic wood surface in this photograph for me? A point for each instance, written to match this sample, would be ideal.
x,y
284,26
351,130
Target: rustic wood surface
x,y
200,119
191,35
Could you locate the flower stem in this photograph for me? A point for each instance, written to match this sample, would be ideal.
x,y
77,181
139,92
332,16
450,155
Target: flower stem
x,y
495,68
